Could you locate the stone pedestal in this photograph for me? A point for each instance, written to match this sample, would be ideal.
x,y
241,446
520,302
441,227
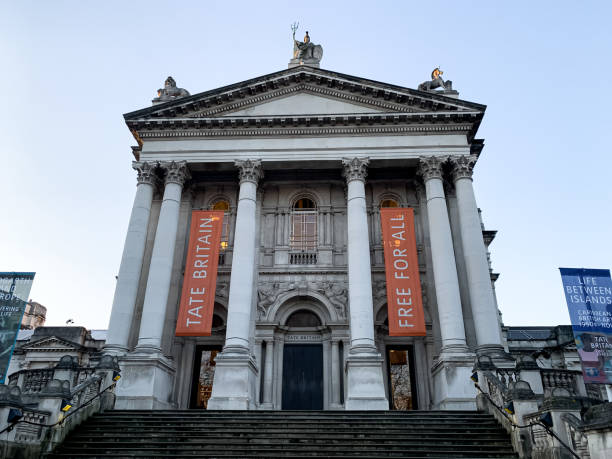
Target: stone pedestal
x,y
452,386
235,379
366,388
146,382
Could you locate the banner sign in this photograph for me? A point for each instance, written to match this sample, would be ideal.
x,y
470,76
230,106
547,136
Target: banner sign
x,y
404,303
200,279
588,293
14,294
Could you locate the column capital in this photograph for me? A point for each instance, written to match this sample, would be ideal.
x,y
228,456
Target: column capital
x,y
249,170
355,168
430,167
146,172
462,166
176,172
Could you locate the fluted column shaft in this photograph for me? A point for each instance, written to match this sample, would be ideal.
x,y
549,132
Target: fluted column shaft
x,y
482,300
160,270
241,281
443,258
126,290
359,267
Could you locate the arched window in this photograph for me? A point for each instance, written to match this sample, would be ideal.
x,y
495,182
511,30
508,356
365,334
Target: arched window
x,y
303,318
304,231
225,207
388,203
217,321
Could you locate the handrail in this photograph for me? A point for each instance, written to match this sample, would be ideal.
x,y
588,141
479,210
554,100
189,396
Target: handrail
x,y
11,426
530,426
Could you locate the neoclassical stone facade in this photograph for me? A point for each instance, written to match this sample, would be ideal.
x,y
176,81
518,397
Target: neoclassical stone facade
x,y
301,161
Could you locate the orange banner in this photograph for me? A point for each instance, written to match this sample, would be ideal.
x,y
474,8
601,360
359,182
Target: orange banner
x,y
200,279
405,306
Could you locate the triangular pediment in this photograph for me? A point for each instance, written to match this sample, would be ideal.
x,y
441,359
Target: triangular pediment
x,y
303,103
51,343
304,91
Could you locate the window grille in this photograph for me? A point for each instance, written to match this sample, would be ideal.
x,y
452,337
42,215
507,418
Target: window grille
x,y
303,241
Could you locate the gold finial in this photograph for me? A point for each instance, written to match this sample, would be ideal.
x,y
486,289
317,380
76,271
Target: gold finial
x,y
436,73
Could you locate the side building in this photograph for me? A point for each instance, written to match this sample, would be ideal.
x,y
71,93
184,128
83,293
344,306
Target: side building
x,y
38,352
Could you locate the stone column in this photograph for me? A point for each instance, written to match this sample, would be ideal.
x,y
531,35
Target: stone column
x,y
335,373
269,367
452,369
126,289
443,258
235,375
484,310
364,364
160,270
147,375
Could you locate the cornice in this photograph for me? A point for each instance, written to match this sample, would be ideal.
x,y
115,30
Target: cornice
x,y
233,122
322,79
314,131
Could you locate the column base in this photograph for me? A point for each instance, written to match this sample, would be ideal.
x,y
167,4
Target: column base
x,y
495,351
365,383
146,382
234,384
266,406
115,350
453,389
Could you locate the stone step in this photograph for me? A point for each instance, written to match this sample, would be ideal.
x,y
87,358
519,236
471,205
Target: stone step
x,y
304,450
327,440
253,434
293,455
196,415
286,420
90,433
293,421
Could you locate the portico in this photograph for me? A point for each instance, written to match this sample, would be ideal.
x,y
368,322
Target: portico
x,y
301,162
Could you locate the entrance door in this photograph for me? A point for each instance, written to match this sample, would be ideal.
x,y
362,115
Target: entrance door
x,y
401,377
302,377
203,375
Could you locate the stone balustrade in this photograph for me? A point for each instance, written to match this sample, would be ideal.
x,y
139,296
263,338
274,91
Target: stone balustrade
x,y
40,405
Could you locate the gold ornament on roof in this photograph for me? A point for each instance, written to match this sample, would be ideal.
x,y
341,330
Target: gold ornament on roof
x,y
436,82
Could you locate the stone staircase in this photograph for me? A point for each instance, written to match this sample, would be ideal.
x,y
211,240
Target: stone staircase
x,y
284,434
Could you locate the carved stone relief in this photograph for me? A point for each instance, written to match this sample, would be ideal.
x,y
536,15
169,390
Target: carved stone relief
x,y
269,292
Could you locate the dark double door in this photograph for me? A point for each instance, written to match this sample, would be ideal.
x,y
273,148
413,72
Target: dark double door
x,y
302,377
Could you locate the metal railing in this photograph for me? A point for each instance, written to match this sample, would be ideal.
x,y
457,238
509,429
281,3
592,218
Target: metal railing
x,y
535,424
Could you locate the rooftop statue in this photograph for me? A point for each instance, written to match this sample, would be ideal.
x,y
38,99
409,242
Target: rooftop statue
x,y
169,92
436,82
305,52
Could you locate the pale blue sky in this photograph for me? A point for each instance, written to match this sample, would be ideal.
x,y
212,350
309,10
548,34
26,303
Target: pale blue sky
x,y
71,69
